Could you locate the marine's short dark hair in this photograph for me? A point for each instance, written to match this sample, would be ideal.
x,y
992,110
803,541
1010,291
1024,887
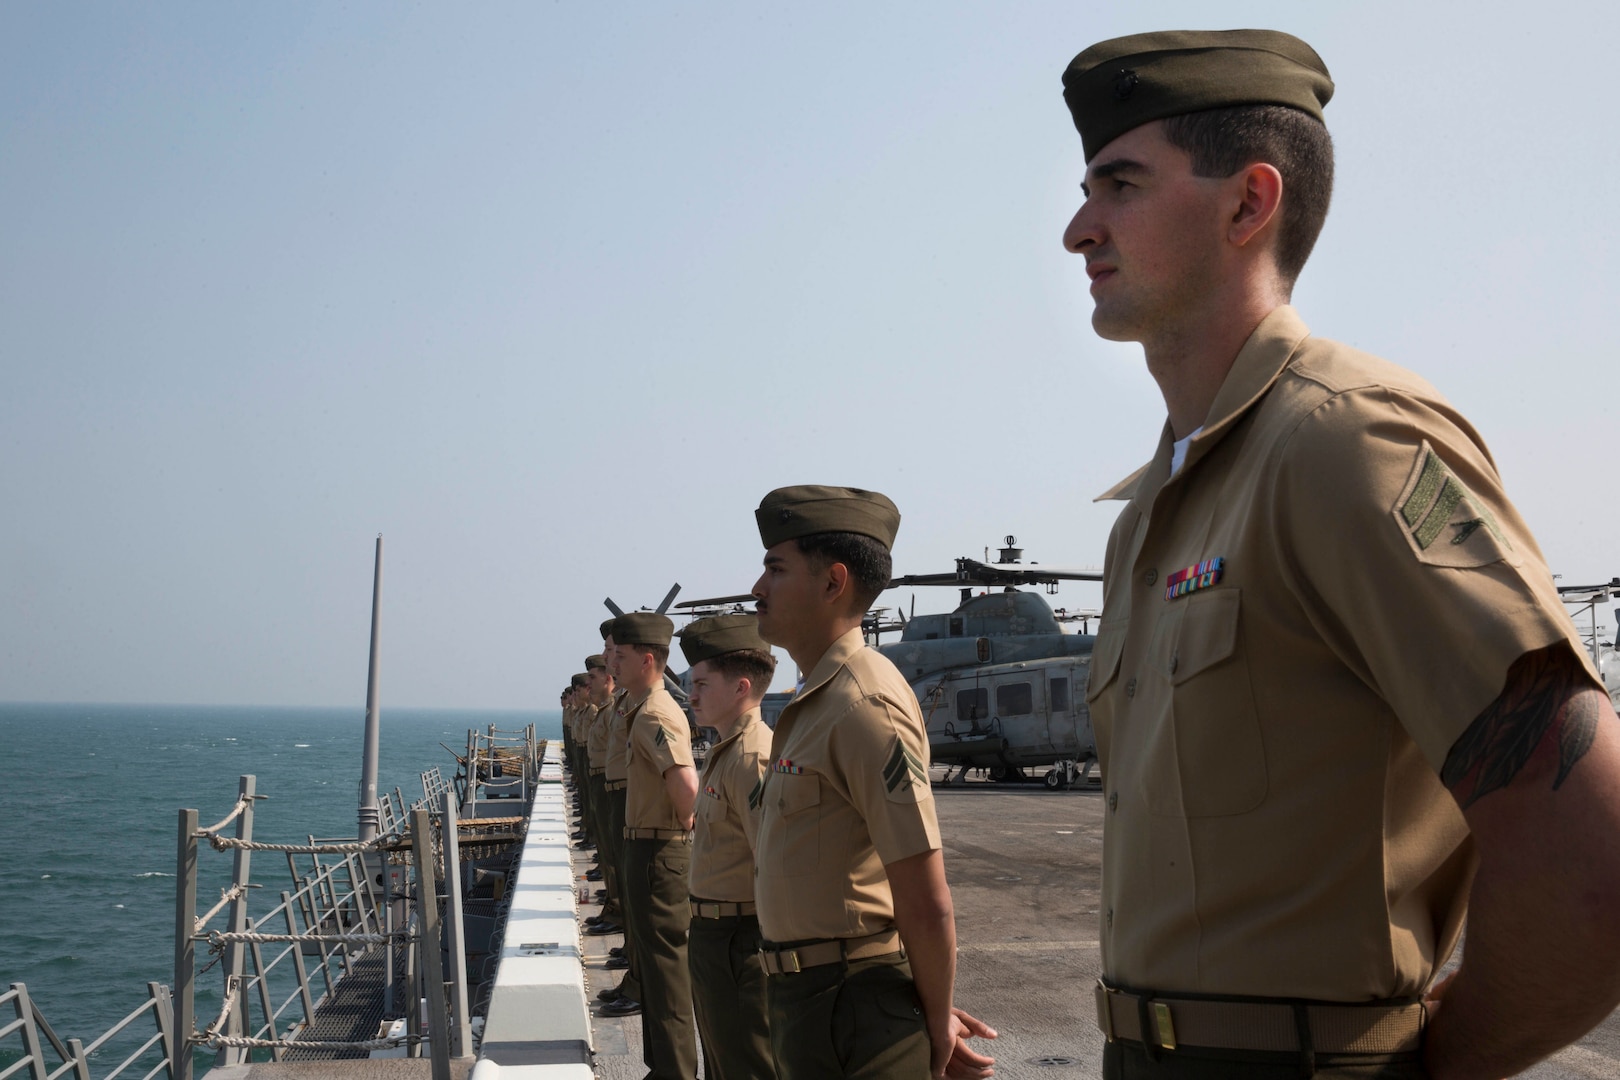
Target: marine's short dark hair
x,y
660,653
870,565
755,665
1222,141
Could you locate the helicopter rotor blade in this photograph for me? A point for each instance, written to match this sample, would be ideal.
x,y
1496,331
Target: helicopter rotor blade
x,y
669,598
615,608
715,601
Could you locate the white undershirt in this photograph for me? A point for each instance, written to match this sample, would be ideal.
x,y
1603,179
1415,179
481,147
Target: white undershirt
x,y
1178,453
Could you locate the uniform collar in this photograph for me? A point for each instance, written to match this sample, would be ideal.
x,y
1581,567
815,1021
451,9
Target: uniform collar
x,y
633,702
744,722
832,661
1258,365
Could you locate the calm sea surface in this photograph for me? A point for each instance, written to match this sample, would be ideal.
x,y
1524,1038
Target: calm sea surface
x,y
89,796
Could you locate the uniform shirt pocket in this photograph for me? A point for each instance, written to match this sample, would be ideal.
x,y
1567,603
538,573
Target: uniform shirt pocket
x,y
1105,654
1220,759
798,800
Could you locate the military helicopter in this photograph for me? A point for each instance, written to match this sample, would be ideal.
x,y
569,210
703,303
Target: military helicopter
x,y
999,681
1585,599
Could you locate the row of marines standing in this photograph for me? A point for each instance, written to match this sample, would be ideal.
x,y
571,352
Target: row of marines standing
x,y
764,902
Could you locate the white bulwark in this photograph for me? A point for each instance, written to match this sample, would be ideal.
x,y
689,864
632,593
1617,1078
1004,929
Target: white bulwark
x,y
538,1026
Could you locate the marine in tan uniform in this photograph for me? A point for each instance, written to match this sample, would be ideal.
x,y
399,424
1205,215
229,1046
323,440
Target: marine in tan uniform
x,y
731,669
574,718
1338,703
594,735
657,843
860,936
623,999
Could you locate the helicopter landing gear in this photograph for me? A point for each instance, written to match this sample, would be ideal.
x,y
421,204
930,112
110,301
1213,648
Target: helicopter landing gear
x,y
1068,772
1006,774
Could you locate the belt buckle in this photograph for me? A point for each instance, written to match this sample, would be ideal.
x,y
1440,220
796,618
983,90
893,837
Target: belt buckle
x,y
1166,1029
782,967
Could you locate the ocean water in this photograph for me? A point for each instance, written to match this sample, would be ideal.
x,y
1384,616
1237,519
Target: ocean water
x,y
89,801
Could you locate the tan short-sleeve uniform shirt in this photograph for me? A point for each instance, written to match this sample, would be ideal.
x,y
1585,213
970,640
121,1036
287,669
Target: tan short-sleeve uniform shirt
x,y
616,762
727,826
596,734
1296,628
846,793
659,740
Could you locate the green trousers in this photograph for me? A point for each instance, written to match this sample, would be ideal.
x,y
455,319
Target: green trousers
x,y
659,911
587,805
601,818
728,993
613,833
855,1019
1125,1059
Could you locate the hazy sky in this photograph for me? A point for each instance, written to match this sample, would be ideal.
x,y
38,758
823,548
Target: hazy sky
x,y
551,294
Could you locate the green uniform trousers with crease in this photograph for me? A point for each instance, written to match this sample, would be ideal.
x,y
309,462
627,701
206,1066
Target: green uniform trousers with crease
x,y
658,909
1126,1059
728,992
601,819
857,1019
630,985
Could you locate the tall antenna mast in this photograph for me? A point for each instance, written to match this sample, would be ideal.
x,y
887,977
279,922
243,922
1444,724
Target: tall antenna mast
x,y
369,818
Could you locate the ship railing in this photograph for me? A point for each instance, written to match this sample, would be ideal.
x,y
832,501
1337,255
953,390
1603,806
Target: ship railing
x,y
73,1055
434,785
503,760
332,912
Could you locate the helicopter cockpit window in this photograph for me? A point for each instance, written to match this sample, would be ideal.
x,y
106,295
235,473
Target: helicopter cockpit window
x,y
973,704
1014,699
1060,695
956,626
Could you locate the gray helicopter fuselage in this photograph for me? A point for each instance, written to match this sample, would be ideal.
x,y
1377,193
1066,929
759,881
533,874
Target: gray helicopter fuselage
x,y
1000,684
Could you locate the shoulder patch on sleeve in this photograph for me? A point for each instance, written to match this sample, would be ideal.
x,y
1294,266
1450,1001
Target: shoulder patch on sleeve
x,y
1445,523
903,773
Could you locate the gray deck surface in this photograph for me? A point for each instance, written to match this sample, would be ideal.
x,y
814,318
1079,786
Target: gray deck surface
x,y
1025,867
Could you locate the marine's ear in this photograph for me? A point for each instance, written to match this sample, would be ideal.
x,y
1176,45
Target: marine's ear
x,y
1257,191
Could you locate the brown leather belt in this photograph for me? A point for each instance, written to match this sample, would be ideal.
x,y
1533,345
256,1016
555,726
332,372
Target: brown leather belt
x,y
720,909
781,960
1260,1026
657,834
615,785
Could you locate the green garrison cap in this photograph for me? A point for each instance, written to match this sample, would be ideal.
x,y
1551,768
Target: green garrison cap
x,y
791,512
579,680
596,661
607,628
643,628
705,639
1126,82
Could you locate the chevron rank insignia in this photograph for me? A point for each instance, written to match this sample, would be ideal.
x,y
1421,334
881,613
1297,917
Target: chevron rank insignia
x,y
756,798
903,770
1445,523
662,738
